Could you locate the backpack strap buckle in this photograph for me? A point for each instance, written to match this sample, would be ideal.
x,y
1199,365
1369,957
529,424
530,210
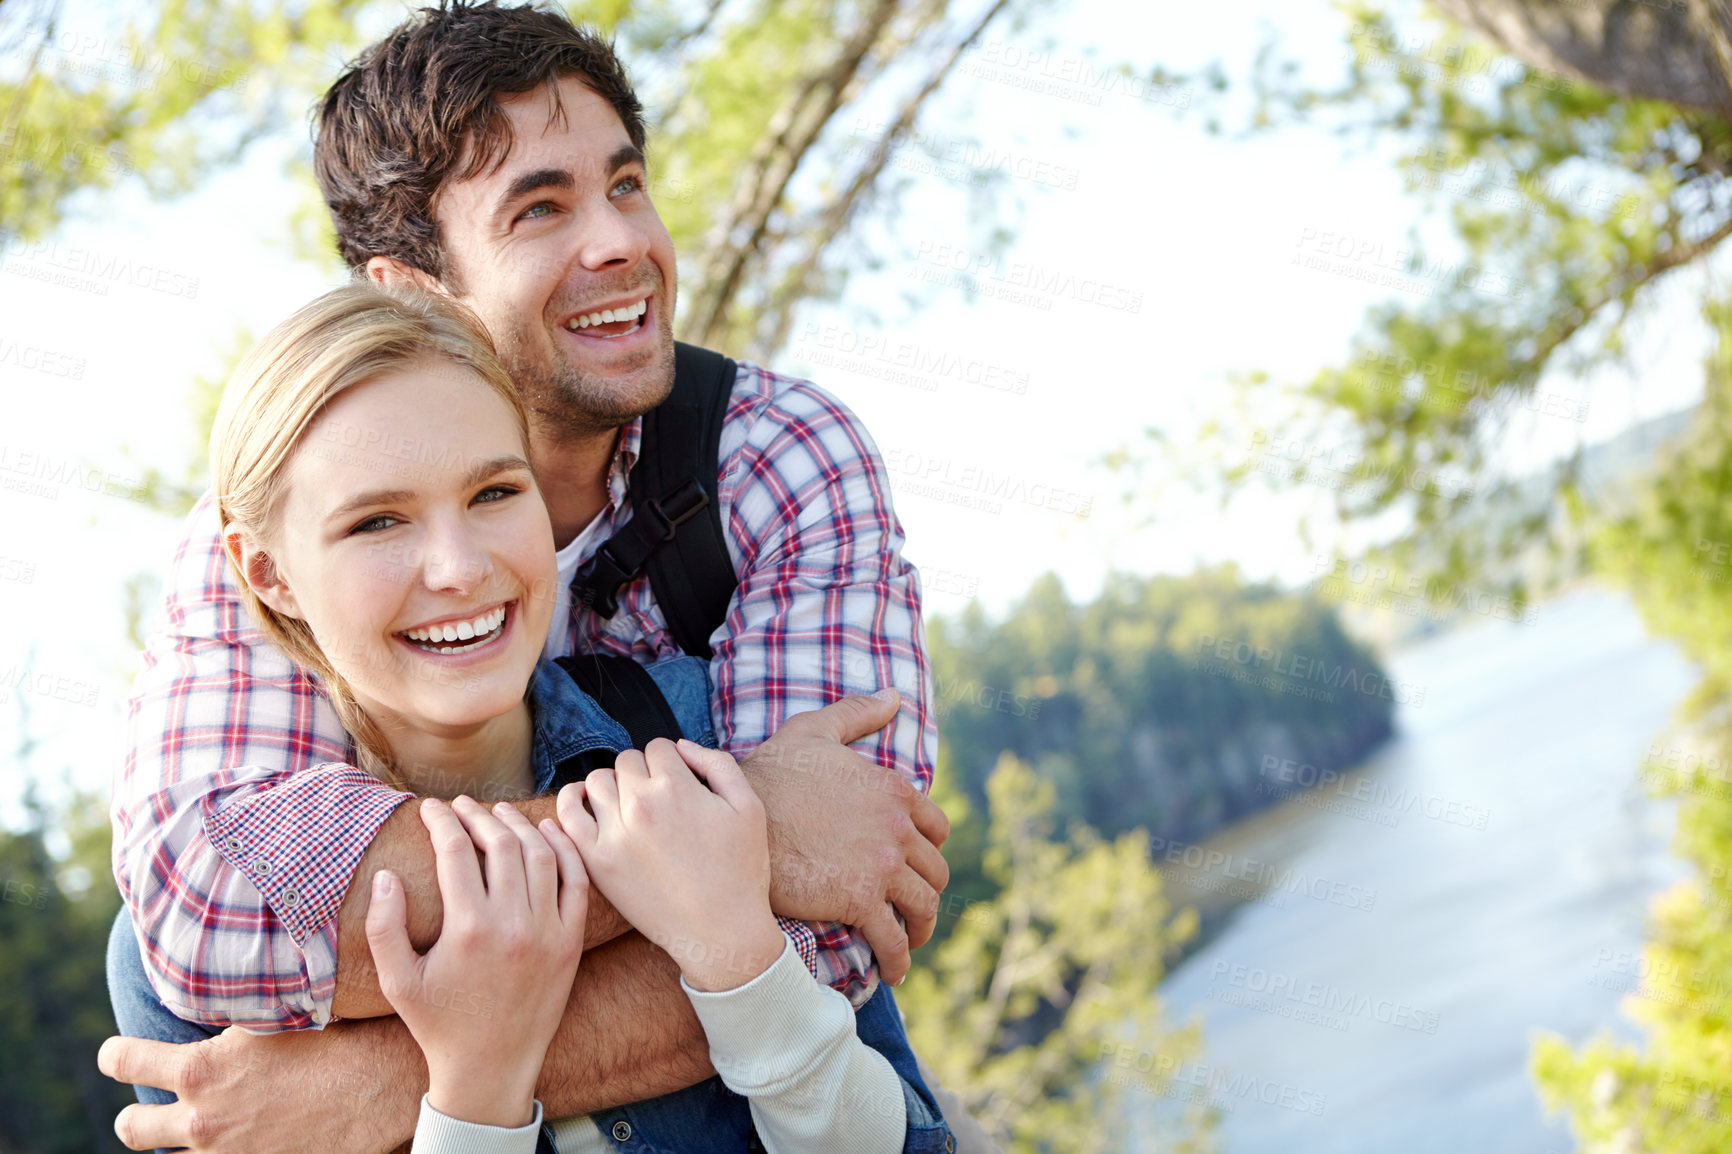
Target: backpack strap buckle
x,y
623,556
679,506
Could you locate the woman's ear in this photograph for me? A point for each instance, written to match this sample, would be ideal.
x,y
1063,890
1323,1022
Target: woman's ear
x,y
258,570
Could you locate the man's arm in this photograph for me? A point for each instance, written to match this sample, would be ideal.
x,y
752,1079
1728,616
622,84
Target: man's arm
x,y
403,846
826,607
357,1086
843,833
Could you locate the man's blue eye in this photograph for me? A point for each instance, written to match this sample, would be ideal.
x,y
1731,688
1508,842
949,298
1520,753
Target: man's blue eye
x,y
540,208
629,184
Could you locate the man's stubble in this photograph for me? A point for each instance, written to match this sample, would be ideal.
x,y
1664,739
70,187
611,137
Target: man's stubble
x,y
566,402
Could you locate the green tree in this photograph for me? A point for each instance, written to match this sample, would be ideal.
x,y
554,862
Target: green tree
x,y
1157,703
55,911
1028,1007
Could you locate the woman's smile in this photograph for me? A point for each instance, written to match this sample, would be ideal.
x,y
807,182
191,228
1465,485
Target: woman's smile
x,y
461,636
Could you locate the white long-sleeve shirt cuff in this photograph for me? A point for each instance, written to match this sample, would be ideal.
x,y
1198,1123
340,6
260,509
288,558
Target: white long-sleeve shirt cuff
x,y
788,1045
438,1133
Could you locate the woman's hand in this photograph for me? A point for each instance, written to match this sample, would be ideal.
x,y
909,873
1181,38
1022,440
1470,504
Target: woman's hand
x,y
485,1001
689,866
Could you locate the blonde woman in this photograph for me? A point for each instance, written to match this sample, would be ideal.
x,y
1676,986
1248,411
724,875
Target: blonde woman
x,y
372,477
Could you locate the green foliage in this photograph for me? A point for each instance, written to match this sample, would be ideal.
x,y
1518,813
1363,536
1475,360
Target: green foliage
x,y
1035,987
1128,708
166,98
1564,205
1676,1097
55,912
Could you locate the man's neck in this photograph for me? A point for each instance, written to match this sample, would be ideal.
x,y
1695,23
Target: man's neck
x,y
572,473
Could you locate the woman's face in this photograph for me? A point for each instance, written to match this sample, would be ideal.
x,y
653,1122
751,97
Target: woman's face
x,y
414,543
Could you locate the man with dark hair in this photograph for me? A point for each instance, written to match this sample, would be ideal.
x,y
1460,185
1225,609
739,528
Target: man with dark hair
x,y
497,155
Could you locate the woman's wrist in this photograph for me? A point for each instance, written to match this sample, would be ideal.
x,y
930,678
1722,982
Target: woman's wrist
x,y
729,960
485,1101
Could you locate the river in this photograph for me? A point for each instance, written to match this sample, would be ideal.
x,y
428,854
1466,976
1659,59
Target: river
x,y
1382,991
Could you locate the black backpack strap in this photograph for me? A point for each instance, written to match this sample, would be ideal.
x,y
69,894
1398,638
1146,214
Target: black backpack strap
x,y
675,531
626,693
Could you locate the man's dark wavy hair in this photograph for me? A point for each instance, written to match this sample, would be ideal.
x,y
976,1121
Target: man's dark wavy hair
x,y
420,110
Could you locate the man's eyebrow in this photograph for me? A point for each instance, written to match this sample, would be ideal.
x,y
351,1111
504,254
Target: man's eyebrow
x,y
626,154
530,182
478,472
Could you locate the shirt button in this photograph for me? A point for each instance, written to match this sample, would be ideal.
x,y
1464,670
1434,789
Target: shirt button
x,y
232,844
291,899
261,866
621,1131
949,1144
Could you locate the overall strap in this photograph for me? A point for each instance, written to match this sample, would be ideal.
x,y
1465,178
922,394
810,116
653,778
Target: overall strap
x,y
626,693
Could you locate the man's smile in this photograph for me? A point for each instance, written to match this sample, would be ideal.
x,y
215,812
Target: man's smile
x,y
614,320
624,318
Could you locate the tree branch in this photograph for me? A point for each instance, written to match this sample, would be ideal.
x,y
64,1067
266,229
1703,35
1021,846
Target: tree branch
x,y
743,232
839,213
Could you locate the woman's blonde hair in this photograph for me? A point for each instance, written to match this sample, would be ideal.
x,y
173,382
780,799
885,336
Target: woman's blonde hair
x,y
348,337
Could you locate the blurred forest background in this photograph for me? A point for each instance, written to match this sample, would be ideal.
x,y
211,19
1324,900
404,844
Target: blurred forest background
x,y
1577,150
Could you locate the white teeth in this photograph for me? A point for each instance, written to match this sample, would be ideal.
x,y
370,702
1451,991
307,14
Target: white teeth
x,y
482,627
608,316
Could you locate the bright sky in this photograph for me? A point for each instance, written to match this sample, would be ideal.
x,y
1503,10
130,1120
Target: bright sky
x,y
1149,262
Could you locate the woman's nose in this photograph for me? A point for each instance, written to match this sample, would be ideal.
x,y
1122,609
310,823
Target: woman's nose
x,y
455,561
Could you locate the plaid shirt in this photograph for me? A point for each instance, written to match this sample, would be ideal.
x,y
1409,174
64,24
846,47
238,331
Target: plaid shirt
x,y
239,818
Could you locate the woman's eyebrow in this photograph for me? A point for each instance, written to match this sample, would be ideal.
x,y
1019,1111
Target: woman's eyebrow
x,y
478,472
365,500
492,466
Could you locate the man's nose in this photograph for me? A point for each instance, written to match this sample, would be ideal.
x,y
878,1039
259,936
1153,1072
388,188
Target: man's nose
x,y
609,238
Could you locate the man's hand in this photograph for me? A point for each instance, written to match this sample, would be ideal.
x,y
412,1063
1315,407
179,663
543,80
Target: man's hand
x,y
629,1033
850,839
342,1096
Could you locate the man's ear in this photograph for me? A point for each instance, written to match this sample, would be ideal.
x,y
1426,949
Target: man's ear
x,y
389,272
258,570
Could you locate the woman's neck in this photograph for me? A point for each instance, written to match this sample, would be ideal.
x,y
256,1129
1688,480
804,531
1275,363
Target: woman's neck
x,y
491,761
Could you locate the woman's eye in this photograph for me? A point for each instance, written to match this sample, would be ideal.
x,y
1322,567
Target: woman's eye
x,y
374,524
496,493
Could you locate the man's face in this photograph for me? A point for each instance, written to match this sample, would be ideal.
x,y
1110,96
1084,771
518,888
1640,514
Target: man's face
x,y
545,247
